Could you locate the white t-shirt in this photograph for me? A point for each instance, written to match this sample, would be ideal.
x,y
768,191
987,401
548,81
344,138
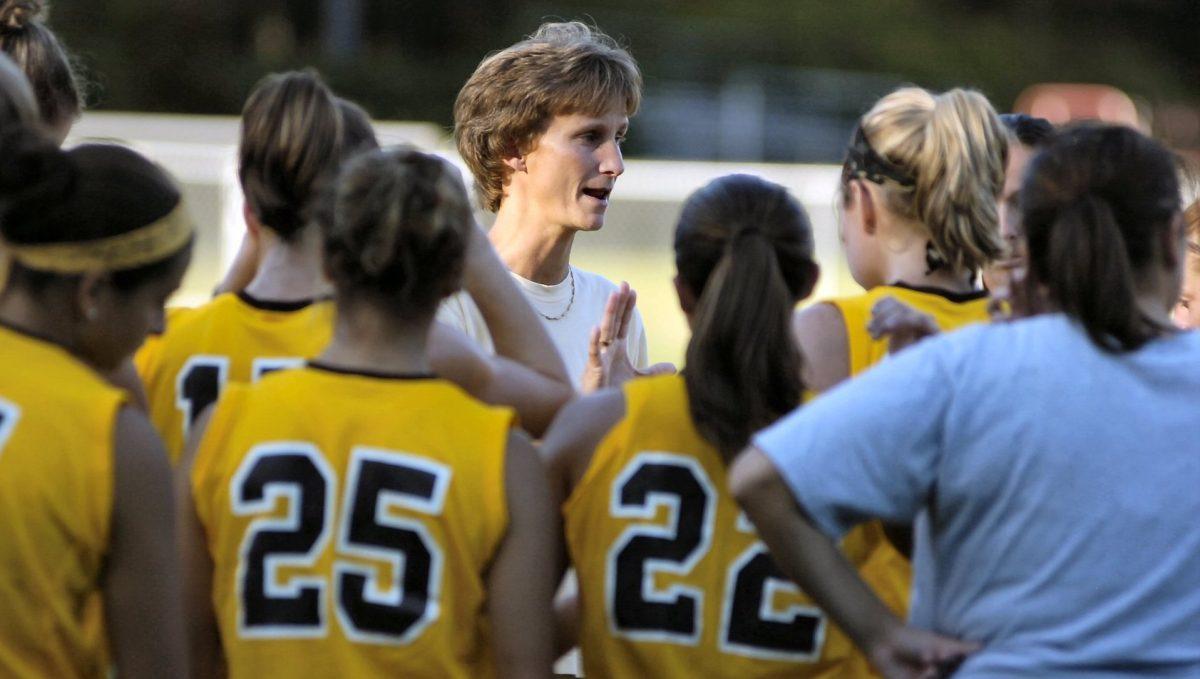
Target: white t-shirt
x,y
1055,487
569,333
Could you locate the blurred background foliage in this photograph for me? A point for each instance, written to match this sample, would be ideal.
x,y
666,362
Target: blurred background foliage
x,y
816,63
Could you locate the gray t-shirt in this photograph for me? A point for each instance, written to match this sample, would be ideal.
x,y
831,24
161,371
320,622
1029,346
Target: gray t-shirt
x,y
1055,488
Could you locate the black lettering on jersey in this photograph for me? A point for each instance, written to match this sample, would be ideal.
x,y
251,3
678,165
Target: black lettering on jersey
x,y
751,626
198,386
636,607
297,474
398,610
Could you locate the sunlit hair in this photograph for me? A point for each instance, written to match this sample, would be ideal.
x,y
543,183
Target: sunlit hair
x,y
396,224
38,53
17,105
511,97
1097,207
954,148
744,247
291,141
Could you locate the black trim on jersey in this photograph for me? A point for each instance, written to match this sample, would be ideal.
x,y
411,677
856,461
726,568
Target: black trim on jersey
x,y
274,305
956,297
377,374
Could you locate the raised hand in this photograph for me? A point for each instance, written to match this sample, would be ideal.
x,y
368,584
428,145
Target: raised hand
x,y
608,346
900,324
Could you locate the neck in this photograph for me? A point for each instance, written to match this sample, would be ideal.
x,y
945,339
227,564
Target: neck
x,y
529,245
289,272
28,313
367,337
909,266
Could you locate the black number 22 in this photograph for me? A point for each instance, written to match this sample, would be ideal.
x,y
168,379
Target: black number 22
x,y
639,611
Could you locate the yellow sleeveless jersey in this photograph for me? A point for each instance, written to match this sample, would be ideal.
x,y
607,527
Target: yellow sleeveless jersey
x,y
880,564
351,519
232,339
57,420
673,580
949,310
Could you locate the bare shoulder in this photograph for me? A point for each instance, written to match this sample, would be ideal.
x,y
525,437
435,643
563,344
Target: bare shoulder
x,y
580,426
820,331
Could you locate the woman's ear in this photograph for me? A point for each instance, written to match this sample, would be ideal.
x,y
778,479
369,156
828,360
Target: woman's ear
x,y
88,295
516,163
866,206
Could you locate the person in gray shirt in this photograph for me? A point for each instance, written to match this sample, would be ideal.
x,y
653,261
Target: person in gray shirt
x,y
1051,464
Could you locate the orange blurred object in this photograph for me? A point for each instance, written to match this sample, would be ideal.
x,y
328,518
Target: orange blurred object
x,y
1063,102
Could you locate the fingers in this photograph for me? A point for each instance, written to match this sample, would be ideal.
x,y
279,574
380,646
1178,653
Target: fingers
x,y
594,346
611,322
891,317
627,311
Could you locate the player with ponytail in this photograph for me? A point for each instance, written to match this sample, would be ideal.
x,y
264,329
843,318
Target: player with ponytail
x,y
423,532
1049,462
686,598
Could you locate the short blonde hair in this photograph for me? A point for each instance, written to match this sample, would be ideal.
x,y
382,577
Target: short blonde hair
x,y
510,98
955,149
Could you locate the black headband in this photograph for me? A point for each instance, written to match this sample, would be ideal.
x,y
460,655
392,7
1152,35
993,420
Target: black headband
x,y
862,161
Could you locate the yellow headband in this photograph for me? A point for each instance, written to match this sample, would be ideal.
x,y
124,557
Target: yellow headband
x,y
145,245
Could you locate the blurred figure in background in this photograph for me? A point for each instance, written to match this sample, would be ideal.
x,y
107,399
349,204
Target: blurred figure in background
x,y
40,54
1187,311
1026,136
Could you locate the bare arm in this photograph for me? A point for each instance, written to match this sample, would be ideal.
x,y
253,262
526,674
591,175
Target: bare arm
x,y
203,638
821,333
496,379
815,563
517,332
521,579
140,581
243,268
126,377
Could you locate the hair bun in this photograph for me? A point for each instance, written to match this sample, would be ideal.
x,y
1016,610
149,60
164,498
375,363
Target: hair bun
x,y
34,171
16,14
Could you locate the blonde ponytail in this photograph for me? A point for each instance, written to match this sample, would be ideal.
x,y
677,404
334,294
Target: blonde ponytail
x,y
955,148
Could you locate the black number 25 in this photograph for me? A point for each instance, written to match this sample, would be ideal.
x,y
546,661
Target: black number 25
x,y
368,609
637,610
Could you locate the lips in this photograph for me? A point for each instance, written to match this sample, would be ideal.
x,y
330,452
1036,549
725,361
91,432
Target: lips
x,y
598,194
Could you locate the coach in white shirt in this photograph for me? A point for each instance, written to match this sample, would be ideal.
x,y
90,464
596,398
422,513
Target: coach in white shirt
x,y
540,125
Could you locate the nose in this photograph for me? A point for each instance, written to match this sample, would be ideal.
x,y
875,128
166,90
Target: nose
x,y
611,161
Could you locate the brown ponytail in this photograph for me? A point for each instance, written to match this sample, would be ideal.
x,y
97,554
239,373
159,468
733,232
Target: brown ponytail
x,y
744,247
1095,205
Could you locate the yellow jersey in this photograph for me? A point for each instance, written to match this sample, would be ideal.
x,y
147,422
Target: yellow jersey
x,y
57,423
950,311
351,518
673,580
880,564
232,339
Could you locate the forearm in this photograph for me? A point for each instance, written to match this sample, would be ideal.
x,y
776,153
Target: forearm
x,y
808,556
516,331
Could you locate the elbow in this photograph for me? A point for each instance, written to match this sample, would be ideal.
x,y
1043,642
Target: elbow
x,y
750,476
